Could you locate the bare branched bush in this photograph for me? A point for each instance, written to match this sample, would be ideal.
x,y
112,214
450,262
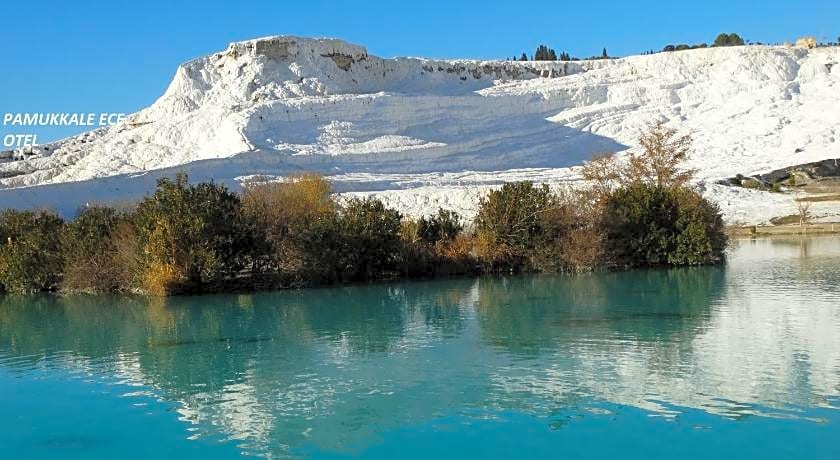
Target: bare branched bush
x,y
572,238
603,172
660,163
93,261
803,210
648,215
127,256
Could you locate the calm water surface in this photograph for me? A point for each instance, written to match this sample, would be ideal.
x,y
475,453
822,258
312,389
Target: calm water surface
x,y
698,363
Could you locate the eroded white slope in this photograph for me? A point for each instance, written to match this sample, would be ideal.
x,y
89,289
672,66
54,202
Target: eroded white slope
x,y
423,133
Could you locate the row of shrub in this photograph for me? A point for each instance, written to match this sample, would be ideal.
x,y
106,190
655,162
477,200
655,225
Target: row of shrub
x,y
722,39
199,237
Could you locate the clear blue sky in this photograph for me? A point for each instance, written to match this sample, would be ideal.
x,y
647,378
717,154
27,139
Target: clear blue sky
x,y
118,56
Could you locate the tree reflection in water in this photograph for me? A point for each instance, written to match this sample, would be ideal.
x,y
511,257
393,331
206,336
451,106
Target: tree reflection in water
x,y
333,367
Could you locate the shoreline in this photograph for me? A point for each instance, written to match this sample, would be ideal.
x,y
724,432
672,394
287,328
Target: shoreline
x,y
752,231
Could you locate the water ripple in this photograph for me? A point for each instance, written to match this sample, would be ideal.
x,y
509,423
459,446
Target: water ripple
x,y
759,338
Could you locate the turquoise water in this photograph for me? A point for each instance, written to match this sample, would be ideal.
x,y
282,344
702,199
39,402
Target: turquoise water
x,y
697,363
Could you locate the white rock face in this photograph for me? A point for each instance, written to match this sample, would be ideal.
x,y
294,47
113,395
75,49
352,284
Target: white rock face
x,y
423,133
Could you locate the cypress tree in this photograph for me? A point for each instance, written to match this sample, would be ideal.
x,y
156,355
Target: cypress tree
x,y
544,53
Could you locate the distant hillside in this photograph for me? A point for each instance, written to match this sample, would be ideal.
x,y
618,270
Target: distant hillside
x,y
424,133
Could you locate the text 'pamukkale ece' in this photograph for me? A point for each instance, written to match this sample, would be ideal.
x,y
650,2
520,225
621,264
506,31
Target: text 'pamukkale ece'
x,y
42,119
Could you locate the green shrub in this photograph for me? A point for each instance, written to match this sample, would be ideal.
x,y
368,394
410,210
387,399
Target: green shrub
x,y
640,222
751,184
700,231
91,259
507,226
435,245
732,39
636,213
444,226
314,240
291,217
649,225
367,236
192,234
30,251
417,256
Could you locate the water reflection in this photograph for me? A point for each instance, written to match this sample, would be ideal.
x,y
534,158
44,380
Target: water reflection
x,y
334,367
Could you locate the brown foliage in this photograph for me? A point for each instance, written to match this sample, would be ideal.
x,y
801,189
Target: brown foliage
x,y
459,249
127,256
160,278
101,252
455,256
286,206
98,272
603,172
582,251
285,212
663,151
163,270
448,256
573,240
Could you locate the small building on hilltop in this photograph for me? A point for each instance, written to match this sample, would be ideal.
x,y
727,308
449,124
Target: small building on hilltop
x,y
806,42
